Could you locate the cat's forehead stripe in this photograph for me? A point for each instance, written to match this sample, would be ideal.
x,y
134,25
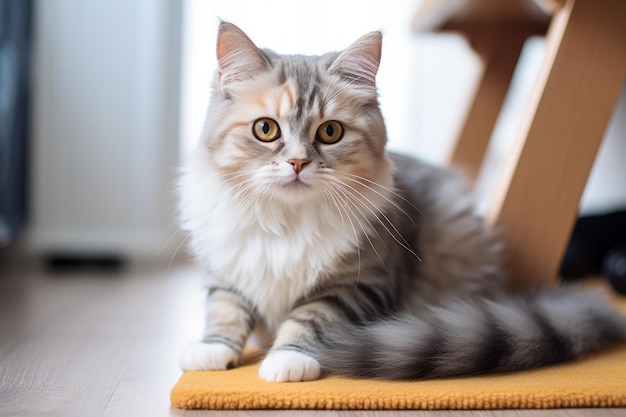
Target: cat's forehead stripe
x,y
303,77
309,107
286,98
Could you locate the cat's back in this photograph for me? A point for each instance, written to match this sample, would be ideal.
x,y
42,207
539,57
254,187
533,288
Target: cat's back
x,y
429,188
456,249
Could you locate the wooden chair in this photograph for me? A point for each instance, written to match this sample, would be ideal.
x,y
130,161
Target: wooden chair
x,y
537,199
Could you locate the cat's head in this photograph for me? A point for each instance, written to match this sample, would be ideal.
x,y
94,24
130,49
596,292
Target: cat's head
x,y
296,128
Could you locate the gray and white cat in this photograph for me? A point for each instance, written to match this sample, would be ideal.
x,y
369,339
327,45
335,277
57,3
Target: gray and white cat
x,y
347,258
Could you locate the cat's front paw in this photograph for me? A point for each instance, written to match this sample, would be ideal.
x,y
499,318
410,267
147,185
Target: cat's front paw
x,y
202,356
289,366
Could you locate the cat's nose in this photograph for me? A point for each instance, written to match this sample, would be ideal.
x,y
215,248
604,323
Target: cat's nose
x,y
298,164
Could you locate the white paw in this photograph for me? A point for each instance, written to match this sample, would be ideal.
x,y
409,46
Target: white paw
x,y
201,356
289,366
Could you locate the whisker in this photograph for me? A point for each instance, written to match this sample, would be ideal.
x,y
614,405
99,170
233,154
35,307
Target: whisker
x,y
226,193
405,244
167,242
358,246
353,200
249,198
336,201
169,266
388,189
173,222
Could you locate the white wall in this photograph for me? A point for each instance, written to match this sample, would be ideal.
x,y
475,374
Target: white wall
x,y
105,125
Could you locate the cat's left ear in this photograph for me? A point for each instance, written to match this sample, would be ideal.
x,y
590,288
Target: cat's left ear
x,y
359,62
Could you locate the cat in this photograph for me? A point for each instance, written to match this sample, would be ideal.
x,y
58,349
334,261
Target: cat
x,y
343,257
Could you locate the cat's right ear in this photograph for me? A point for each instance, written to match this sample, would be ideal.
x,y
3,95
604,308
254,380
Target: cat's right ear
x,y
359,62
238,58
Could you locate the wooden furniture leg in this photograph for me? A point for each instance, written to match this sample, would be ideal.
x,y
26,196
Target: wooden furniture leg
x,y
576,92
499,52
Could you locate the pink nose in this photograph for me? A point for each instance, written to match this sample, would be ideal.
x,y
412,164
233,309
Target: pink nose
x,y
298,164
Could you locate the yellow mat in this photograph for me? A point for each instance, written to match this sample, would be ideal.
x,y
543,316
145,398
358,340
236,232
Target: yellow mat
x,y
597,381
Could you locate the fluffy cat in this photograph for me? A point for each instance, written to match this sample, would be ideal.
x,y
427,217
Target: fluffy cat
x,y
347,258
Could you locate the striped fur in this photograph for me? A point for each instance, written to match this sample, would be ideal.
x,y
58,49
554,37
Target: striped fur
x,y
360,261
465,337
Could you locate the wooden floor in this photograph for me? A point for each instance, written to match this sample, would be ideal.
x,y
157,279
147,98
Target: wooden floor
x,y
94,344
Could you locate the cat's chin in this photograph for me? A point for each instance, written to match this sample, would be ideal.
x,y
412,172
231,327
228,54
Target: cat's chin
x,y
297,185
296,189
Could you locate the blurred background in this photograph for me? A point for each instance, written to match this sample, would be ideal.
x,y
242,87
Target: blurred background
x,y
101,100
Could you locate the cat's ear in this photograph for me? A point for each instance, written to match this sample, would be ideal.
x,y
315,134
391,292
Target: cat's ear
x,y
359,62
238,58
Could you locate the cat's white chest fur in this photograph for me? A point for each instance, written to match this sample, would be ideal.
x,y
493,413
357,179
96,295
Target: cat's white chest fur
x,y
271,252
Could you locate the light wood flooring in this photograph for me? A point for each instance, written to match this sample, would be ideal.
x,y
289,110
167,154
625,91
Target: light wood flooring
x,y
93,344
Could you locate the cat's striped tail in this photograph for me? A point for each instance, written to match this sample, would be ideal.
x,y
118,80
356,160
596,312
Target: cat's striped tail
x,y
464,337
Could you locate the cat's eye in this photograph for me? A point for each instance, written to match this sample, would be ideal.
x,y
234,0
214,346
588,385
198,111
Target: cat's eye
x,y
330,132
266,130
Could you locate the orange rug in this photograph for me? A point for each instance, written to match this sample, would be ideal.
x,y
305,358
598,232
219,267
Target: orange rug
x,y
597,381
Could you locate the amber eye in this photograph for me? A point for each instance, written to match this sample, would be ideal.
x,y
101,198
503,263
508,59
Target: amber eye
x,y
266,130
330,132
